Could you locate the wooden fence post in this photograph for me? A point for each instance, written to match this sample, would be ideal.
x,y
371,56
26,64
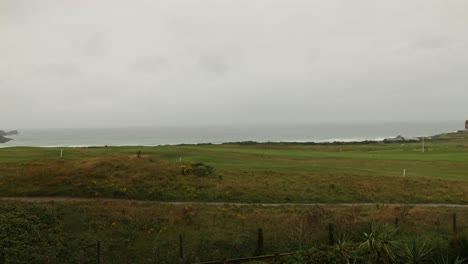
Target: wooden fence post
x,y
98,249
454,222
81,260
2,257
331,237
260,242
181,250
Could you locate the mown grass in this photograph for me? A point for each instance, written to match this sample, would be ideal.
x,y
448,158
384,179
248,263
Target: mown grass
x,y
247,173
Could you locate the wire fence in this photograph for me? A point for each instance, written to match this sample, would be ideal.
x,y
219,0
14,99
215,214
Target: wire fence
x,y
105,251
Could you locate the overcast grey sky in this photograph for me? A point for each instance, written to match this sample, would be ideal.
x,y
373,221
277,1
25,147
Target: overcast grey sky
x,y
105,63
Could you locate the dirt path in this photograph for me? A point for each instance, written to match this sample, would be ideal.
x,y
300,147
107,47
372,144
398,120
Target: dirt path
x,y
119,200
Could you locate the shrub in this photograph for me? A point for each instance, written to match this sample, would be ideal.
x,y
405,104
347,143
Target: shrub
x,y
198,169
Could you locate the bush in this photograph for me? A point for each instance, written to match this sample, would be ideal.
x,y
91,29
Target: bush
x,y
198,169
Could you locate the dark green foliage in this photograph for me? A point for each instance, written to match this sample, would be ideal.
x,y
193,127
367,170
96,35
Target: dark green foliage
x,y
459,245
416,252
197,169
66,232
31,235
315,256
201,169
380,243
448,260
47,233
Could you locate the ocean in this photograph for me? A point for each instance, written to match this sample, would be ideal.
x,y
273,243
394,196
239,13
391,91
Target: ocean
x,y
153,136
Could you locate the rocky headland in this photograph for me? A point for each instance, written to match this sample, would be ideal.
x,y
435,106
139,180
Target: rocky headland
x,y
4,139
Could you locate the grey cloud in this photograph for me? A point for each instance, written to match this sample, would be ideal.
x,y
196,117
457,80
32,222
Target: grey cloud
x,y
59,69
431,42
232,61
150,64
94,45
215,64
15,11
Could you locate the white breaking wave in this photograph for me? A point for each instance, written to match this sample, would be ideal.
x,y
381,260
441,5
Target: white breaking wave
x,y
157,136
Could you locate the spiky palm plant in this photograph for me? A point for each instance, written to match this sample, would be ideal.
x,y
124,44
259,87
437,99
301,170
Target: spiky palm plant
x,y
380,243
448,260
459,245
343,247
415,252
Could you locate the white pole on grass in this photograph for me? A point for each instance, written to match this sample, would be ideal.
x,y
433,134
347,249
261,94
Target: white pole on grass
x,y
423,145
61,153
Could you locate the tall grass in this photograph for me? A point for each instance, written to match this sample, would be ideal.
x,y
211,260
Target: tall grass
x,y
66,232
153,178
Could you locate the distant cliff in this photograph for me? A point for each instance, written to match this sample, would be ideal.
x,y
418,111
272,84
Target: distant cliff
x,y
3,139
13,132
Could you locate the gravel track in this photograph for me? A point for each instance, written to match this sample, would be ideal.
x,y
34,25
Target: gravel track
x,y
120,200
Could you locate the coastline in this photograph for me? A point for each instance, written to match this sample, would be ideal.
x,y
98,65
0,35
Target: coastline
x,y
246,142
4,139
260,134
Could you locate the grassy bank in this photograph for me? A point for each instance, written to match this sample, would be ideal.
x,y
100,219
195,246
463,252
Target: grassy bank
x,y
247,172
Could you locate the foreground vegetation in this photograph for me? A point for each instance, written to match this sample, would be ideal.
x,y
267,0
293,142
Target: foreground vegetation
x,y
67,232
